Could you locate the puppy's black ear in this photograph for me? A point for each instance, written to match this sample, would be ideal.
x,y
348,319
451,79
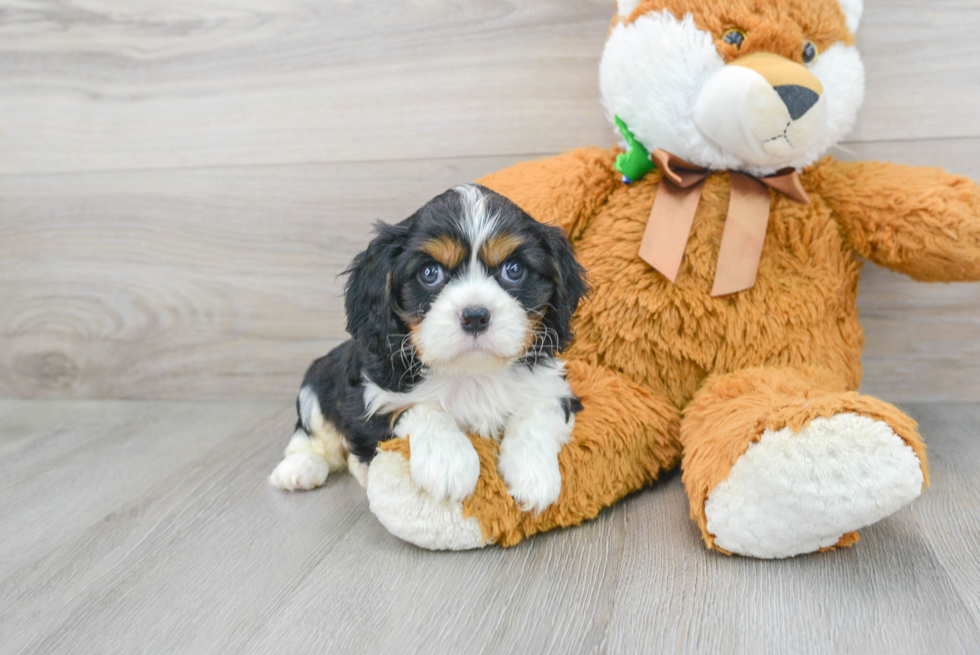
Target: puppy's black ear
x,y
371,307
570,284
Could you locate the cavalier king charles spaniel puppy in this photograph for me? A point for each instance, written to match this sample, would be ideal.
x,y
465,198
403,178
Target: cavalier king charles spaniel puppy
x,y
457,315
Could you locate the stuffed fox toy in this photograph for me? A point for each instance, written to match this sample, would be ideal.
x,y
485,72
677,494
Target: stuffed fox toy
x,y
723,246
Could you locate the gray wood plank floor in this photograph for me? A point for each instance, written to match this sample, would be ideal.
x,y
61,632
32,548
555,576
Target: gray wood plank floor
x,y
147,527
181,182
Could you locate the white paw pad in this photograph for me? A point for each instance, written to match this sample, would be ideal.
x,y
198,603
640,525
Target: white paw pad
x,y
303,470
794,493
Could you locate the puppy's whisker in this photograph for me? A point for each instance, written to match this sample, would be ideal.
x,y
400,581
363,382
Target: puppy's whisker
x,y
401,347
414,368
406,351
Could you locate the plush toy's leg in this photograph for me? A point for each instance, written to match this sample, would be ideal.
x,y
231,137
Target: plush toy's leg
x,y
623,438
780,462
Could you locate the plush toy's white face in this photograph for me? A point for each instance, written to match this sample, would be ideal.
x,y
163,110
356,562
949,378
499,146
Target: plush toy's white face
x,y
740,96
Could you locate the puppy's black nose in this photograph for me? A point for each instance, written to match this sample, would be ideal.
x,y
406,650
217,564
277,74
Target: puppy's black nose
x,y
798,99
475,319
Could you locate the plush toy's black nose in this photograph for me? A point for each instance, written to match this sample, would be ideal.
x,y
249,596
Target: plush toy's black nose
x,y
798,99
475,319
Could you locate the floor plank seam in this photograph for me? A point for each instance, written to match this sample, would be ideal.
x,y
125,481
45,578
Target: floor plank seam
x,y
14,176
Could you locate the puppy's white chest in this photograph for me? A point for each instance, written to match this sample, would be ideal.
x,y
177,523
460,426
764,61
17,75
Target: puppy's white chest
x,y
480,403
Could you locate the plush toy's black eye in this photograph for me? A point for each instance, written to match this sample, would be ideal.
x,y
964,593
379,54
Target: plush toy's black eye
x,y
513,271
809,52
734,37
431,275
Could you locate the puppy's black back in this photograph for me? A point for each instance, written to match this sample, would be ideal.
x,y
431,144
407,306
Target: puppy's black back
x,y
336,380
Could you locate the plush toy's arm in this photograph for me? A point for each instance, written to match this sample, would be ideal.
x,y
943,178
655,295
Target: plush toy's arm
x,y
566,190
923,222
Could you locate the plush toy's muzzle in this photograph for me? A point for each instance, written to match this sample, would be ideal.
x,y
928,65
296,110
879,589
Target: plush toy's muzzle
x,y
763,108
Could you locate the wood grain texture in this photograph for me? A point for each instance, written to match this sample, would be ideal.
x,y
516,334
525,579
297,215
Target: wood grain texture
x,y
223,283
101,85
181,182
134,526
192,283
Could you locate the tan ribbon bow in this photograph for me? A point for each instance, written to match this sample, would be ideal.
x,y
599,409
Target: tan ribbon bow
x,y
673,212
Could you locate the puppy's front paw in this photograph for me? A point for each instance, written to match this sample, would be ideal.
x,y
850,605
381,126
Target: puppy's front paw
x,y
443,461
303,470
532,476
448,469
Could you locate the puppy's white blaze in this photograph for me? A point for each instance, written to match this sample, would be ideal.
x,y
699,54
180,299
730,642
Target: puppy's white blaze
x,y
529,453
479,403
441,341
654,69
476,222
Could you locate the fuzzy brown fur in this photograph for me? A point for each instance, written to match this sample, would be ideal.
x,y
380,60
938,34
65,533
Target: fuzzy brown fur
x,y
780,354
624,437
775,27
788,350
446,251
731,411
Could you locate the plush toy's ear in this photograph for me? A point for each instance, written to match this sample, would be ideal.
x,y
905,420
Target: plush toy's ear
x,y
570,285
852,12
371,309
626,7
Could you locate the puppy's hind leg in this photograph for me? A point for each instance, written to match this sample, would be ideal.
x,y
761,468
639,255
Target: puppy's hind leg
x,y
315,449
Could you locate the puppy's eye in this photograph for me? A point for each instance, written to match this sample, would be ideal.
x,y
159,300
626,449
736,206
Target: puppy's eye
x,y
513,271
734,37
431,275
809,52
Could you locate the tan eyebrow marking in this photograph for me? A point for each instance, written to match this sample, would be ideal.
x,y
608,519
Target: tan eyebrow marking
x,y
447,251
498,248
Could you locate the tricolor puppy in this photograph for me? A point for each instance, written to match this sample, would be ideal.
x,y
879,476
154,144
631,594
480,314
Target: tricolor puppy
x,y
457,314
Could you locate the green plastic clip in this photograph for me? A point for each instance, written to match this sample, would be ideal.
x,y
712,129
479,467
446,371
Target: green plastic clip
x,y
635,162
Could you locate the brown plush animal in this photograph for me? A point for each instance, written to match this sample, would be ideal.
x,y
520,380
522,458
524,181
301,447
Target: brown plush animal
x,y
738,359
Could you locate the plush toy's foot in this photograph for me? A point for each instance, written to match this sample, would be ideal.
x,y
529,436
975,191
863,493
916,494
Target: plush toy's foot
x,y
780,462
410,513
623,438
798,492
